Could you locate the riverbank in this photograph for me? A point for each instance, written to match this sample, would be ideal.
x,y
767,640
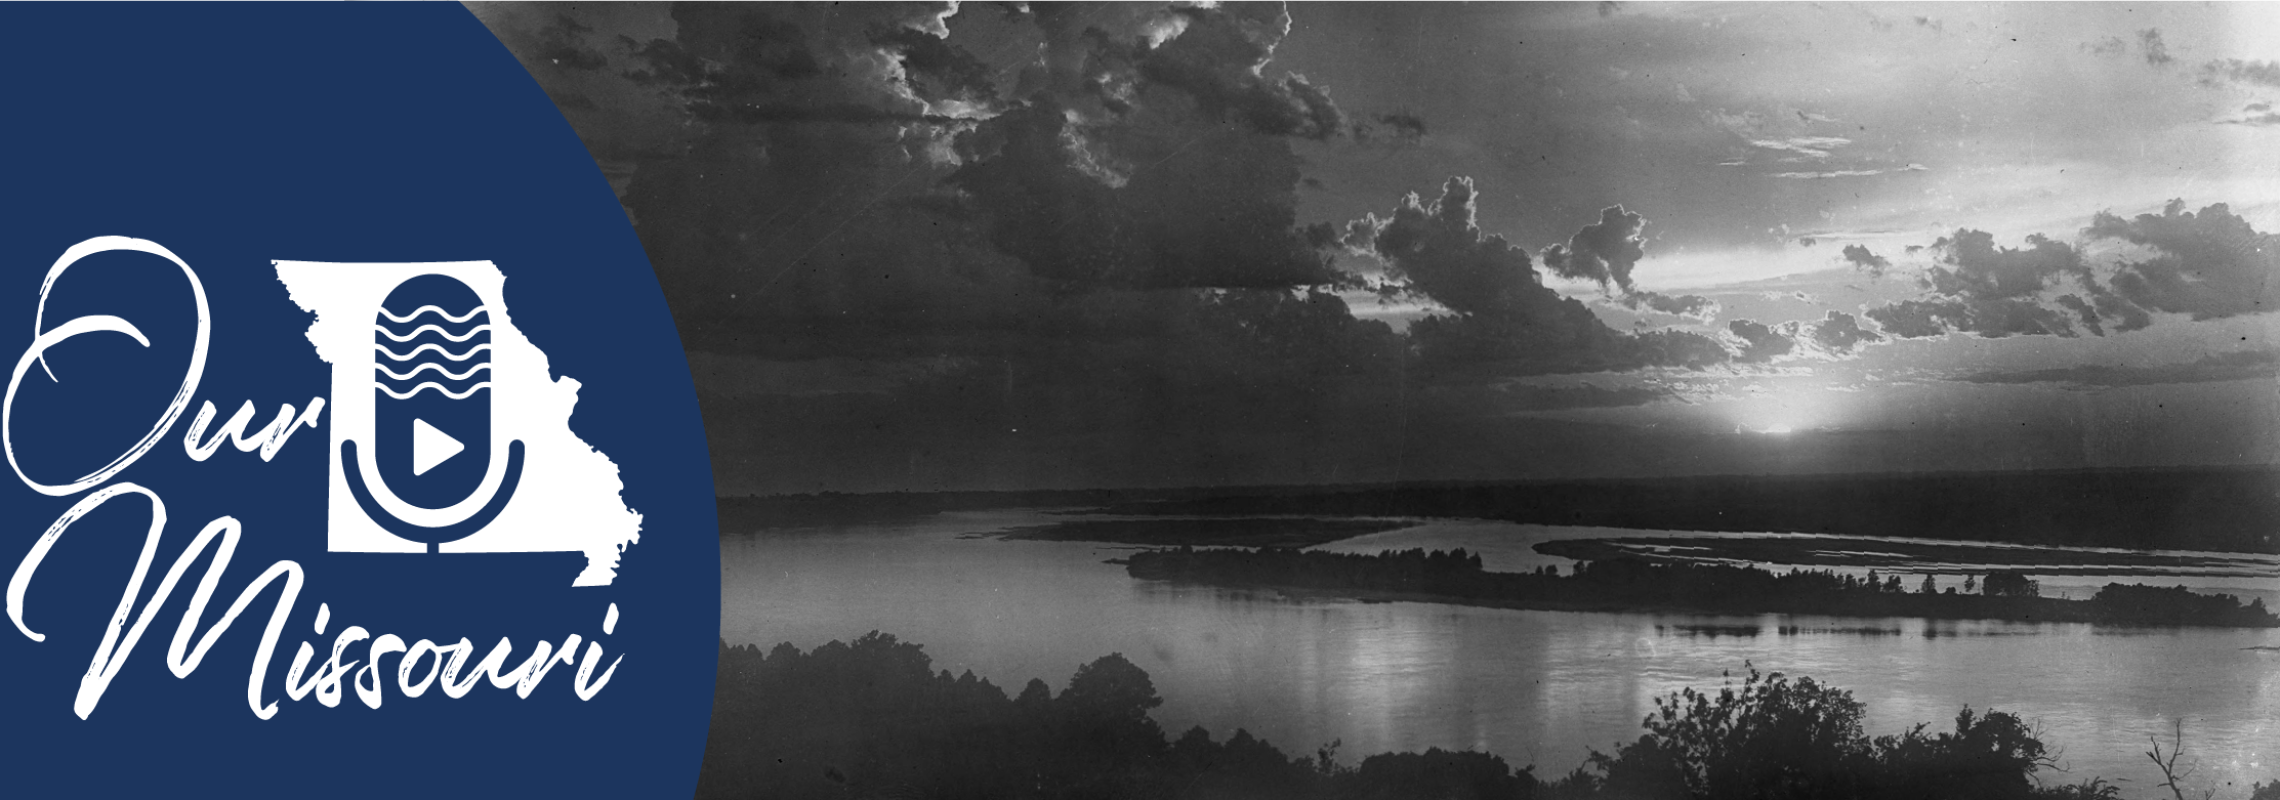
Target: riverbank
x,y
2214,509
1630,585
1915,556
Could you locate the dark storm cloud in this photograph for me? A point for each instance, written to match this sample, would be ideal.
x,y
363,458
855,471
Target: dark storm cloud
x,y
1440,250
1358,235
1861,259
2210,264
1032,244
1505,319
2207,265
1990,319
1406,125
1393,129
1917,319
1605,252
1684,305
2000,318
1602,252
729,55
563,42
663,62
1837,336
862,179
1055,244
1217,58
1839,333
812,112
2085,311
1980,288
1667,348
1098,59
2125,315
1973,266
1761,342
934,69
2255,73
579,57
1180,215
2156,52
800,213
874,63
2235,366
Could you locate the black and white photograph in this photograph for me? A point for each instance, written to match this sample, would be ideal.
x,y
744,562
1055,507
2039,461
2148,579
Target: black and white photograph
x,y
1430,401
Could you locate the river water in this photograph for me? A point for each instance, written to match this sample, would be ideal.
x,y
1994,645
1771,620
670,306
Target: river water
x,y
1537,687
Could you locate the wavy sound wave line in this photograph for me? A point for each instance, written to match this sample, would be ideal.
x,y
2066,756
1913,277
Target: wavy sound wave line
x,y
393,356
470,334
438,312
434,321
430,365
433,385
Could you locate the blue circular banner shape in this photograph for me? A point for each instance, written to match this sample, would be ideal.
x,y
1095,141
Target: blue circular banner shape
x,y
272,532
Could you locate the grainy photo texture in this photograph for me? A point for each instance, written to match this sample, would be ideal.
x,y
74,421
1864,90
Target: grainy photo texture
x,y
1469,401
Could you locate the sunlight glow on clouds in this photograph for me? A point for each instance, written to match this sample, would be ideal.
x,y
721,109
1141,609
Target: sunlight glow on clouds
x,y
1127,229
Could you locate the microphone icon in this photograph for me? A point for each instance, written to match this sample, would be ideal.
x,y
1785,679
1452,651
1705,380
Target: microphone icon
x,y
431,454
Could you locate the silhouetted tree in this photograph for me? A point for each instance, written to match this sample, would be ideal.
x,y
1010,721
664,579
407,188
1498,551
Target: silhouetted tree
x,y
1111,688
2007,583
1437,774
1992,755
1773,738
1770,738
873,719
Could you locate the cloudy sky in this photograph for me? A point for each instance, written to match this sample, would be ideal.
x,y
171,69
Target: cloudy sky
x,y
1009,246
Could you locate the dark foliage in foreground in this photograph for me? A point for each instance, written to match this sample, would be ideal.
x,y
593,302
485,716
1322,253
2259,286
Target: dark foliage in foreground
x,y
872,720
1627,584
1771,738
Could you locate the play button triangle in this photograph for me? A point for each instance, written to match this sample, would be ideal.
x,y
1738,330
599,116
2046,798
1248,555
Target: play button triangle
x,y
431,447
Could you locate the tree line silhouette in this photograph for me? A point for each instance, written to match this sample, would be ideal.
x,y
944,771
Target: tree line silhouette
x,y
2230,509
1630,584
872,719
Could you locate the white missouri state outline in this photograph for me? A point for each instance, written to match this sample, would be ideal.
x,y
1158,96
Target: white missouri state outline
x,y
569,497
